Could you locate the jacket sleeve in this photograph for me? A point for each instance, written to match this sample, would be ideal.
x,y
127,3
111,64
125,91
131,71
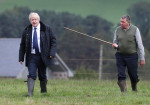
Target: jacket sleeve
x,y
22,47
53,43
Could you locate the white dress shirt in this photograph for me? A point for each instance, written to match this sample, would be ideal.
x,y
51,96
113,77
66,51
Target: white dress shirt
x,y
38,37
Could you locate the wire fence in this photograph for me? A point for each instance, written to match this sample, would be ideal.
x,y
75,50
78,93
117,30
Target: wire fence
x,y
143,74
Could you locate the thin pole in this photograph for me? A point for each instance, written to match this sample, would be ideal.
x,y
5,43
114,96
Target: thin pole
x,y
88,35
100,62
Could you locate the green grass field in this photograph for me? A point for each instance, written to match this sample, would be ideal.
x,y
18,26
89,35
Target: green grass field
x,y
107,9
73,92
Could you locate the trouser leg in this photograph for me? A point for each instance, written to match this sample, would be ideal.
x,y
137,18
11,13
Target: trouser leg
x,y
132,65
42,76
121,65
32,69
33,66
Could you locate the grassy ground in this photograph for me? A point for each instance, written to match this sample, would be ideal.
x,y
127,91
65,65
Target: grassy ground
x,y
73,92
111,10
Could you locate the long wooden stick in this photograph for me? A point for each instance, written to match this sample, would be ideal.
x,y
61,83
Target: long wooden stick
x,y
88,35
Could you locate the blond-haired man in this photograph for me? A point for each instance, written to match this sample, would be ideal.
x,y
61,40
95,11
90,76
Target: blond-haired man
x,y
39,45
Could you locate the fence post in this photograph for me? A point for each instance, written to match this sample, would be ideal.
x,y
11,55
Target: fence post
x,y
100,62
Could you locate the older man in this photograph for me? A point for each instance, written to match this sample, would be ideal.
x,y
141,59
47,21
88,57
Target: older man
x,y
39,45
127,41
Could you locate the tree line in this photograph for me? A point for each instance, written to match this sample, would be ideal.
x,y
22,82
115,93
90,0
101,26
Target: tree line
x,y
77,50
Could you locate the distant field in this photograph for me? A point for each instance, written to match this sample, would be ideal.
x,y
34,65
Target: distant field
x,y
73,92
108,9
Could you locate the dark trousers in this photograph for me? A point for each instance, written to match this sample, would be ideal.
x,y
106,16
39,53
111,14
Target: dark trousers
x,y
129,61
36,63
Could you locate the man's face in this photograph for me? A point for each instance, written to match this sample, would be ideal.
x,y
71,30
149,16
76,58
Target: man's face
x,y
124,24
34,20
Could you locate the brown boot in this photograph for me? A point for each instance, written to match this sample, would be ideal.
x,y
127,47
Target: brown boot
x,y
134,86
122,85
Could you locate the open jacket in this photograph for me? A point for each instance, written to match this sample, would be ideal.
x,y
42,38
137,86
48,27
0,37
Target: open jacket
x,y
47,44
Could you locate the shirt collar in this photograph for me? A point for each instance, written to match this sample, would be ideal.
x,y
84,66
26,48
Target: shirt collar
x,y
129,27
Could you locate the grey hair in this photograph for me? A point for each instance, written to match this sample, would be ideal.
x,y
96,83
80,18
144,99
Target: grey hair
x,y
34,13
127,17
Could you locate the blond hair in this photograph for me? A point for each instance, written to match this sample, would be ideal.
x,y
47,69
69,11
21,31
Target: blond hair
x,y
35,14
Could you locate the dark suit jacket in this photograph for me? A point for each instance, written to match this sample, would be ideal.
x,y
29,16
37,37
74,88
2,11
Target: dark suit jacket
x,y
47,40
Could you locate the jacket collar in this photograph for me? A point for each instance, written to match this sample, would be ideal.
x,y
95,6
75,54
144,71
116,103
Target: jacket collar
x,y
43,27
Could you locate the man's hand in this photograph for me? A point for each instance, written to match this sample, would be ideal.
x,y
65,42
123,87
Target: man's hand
x,y
51,57
114,45
142,63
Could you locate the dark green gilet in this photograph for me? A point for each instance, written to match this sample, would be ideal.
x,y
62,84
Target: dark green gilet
x,y
127,40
